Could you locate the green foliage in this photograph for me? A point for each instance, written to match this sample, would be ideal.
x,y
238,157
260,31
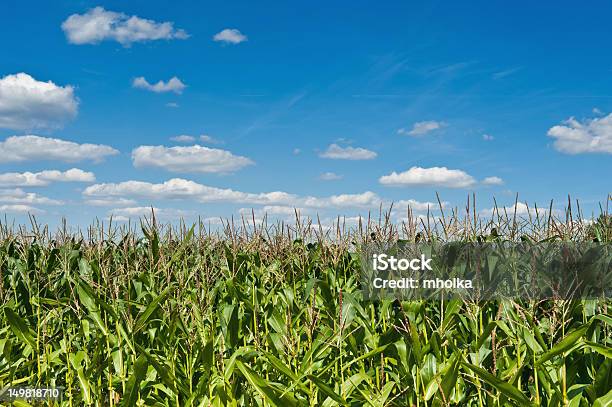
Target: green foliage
x,y
185,318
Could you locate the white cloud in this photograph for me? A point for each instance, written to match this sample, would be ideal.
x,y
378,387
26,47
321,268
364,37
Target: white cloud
x,y
125,214
230,36
434,176
42,178
19,196
330,176
272,211
20,209
422,128
522,209
183,138
172,104
194,158
590,136
366,199
487,137
296,151
174,84
335,152
493,181
26,103
281,210
276,202
98,25
178,188
416,206
205,138
117,202
27,148
507,72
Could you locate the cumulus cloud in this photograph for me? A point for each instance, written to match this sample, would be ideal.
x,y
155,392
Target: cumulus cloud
x,y
20,209
335,152
416,206
194,158
422,128
230,36
18,196
366,199
434,176
125,214
493,181
589,136
174,84
276,202
330,176
98,24
272,211
26,103
28,148
522,209
487,137
42,178
178,188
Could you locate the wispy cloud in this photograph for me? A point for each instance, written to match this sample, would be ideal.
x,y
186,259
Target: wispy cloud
x,y
422,128
183,138
330,176
506,72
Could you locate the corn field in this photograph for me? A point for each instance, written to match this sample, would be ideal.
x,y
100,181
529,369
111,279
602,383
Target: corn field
x,y
262,314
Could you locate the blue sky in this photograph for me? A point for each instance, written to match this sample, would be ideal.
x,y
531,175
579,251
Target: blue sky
x,y
340,107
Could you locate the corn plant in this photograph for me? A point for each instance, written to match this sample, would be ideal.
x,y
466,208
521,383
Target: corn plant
x,y
274,315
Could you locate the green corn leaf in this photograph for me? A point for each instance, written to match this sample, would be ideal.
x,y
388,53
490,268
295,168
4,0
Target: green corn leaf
x,y
503,387
264,388
570,340
150,309
328,391
604,401
133,384
449,380
20,328
603,350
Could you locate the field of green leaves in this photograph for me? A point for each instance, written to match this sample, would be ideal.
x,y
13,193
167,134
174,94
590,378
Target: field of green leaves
x,y
262,315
